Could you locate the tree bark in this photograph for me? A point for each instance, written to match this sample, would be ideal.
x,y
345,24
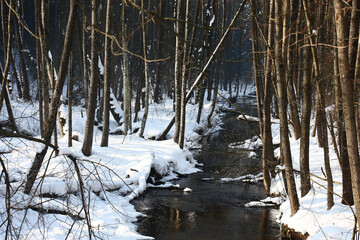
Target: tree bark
x,y
321,111
348,93
147,83
55,101
282,96
106,104
94,80
126,77
200,76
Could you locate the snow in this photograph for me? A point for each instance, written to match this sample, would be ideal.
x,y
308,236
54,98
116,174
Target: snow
x,y
115,175
187,189
112,176
313,217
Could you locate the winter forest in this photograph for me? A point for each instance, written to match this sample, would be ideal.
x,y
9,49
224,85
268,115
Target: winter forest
x,y
179,119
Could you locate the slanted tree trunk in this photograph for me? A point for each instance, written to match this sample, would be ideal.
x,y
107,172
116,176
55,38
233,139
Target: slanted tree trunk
x,y
91,107
200,76
55,101
106,104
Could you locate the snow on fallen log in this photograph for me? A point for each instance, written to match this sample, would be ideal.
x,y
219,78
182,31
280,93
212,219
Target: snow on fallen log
x,y
255,119
246,178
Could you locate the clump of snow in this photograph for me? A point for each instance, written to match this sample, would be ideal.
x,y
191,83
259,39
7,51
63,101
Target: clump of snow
x,y
187,189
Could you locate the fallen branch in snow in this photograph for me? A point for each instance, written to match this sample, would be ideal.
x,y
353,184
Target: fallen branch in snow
x,y
7,198
75,217
246,178
8,134
81,184
255,119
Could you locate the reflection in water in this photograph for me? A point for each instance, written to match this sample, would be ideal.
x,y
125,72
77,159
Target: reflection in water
x,y
212,210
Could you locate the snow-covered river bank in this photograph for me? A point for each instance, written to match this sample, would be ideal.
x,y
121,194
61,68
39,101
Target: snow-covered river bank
x,y
213,209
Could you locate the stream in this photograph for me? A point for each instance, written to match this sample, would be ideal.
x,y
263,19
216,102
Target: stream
x,y
214,209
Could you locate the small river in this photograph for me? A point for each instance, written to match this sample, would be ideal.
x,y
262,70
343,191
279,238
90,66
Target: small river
x,y
213,210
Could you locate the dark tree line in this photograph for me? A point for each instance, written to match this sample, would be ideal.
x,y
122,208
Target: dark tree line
x,y
134,52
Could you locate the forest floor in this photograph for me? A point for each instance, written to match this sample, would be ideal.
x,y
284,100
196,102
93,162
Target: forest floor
x,y
114,175
313,219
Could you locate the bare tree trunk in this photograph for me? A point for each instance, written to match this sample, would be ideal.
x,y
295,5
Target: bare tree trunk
x,y
200,76
348,93
4,82
282,96
290,19
321,111
55,101
38,67
179,56
106,107
218,63
147,83
347,194
23,72
91,107
84,60
69,93
126,77
183,77
268,152
305,125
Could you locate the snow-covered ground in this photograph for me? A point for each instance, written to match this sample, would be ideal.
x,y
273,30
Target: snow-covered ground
x,y
112,176
313,218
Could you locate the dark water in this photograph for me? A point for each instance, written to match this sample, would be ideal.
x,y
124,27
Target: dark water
x,y
213,210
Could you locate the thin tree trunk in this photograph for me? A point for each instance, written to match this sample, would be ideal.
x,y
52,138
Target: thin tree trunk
x,y
179,44
268,153
282,96
91,107
147,83
4,82
69,93
183,78
347,194
305,125
321,112
23,72
55,101
126,77
84,60
200,76
106,107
